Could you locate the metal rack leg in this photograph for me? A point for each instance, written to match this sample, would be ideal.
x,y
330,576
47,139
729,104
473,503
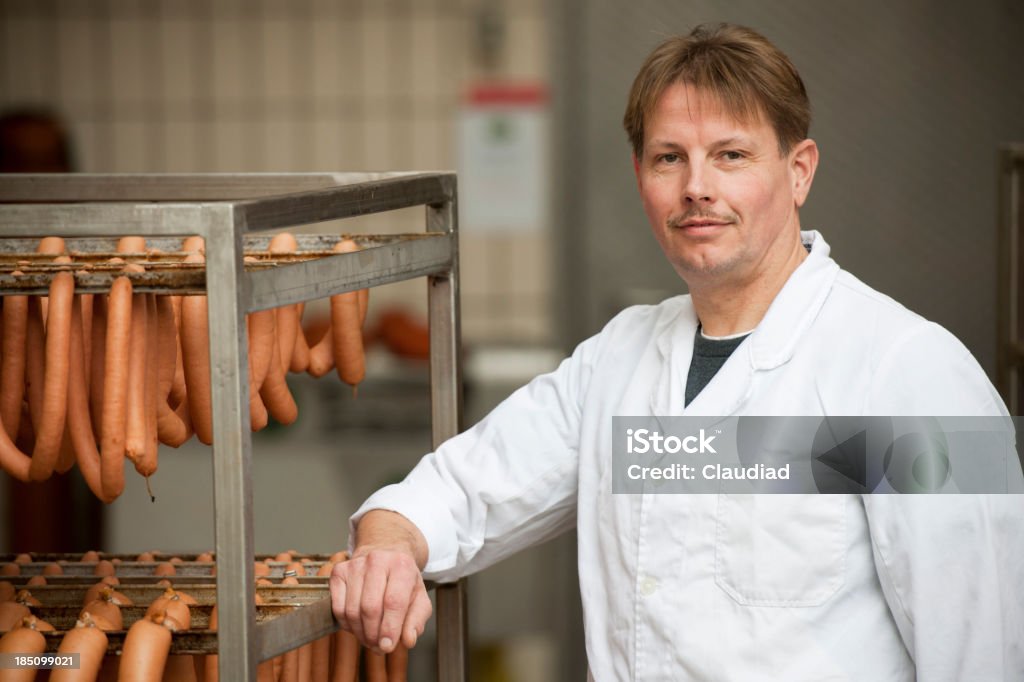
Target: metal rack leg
x,y
446,414
232,457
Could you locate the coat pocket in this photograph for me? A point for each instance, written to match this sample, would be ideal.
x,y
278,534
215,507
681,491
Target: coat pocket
x,y
780,550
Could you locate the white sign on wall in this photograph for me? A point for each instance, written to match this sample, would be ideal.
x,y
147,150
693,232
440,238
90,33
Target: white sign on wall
x,y
502,158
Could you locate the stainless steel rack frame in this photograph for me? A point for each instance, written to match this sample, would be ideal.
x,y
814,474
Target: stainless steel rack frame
x,y
224,209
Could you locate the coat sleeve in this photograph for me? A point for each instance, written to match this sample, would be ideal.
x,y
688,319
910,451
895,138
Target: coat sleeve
x,y
506,484
951,566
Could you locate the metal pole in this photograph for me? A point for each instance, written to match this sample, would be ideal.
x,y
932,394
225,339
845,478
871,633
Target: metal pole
x,y
446,414
227,298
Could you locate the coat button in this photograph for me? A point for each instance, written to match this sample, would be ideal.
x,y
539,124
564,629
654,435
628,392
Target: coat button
x,y
648,586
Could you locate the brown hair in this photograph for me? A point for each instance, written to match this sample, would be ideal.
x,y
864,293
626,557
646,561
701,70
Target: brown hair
x,y
737,65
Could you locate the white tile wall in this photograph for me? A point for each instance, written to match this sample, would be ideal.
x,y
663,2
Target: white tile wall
x,y
282,85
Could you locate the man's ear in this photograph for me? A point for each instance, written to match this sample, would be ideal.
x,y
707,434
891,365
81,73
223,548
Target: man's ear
x,y
636,169
803,161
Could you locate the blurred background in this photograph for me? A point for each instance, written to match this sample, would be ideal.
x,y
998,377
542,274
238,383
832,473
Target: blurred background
x,y
524,98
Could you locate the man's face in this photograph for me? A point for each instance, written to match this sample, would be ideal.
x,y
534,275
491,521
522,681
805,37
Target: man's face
x,y
720,198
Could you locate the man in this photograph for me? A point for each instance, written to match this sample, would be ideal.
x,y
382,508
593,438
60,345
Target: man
x,y
721,587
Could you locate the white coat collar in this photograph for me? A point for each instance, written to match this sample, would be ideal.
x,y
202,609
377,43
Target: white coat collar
x,y
770,345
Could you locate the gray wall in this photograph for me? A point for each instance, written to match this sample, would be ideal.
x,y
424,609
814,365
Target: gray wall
x,y
910,102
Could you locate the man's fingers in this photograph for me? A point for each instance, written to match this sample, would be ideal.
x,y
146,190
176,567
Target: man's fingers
x,y
416,619
396,601
353,601
375,580
338,592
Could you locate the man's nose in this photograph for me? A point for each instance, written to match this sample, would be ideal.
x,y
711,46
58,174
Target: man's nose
x,y
698,186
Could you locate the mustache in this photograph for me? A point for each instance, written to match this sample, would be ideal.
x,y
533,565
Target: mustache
x,y
698,214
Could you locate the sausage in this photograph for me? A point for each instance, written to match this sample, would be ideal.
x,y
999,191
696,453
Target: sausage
x,y
35,360
16,463
53,568
131,245
195,243
66,457
11,614
195,348
262,336
115,387
345,654
50,430
165,568
321,663
97,591
91,555
12,366
90,643
397,664
376,667
178,394
83,439
86,302
347,329
209,662
300,353
7,591
104,567
275,392
135,425
107,610
179,668
22,640
292,662
97,361
321,356
174,606
145,650
172,428
149,464
287,316
25,597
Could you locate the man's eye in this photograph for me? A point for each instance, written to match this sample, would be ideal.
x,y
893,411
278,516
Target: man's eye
x,y
732,155
668,158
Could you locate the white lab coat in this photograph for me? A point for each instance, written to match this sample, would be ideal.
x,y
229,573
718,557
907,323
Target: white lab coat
x,y
744,587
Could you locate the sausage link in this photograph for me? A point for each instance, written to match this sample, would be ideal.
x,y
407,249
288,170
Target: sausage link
x,y
83,438
397,663
275,392
195,348
347,330
22,640
321,355
54,409
135,425
148,465
145,651
287,316
376,667
115,387
300,353
12,366
90,643
97,361
172,429
345,667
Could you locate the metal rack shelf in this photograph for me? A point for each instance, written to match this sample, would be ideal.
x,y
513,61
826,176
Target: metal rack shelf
x,y
224,209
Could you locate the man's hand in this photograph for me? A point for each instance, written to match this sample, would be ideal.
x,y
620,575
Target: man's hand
x,y
378,594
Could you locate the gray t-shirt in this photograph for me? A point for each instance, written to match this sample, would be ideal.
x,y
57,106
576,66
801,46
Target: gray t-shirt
x,y
708,357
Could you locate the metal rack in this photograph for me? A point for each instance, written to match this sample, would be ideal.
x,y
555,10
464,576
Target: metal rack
x,y
224,209
1010,308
